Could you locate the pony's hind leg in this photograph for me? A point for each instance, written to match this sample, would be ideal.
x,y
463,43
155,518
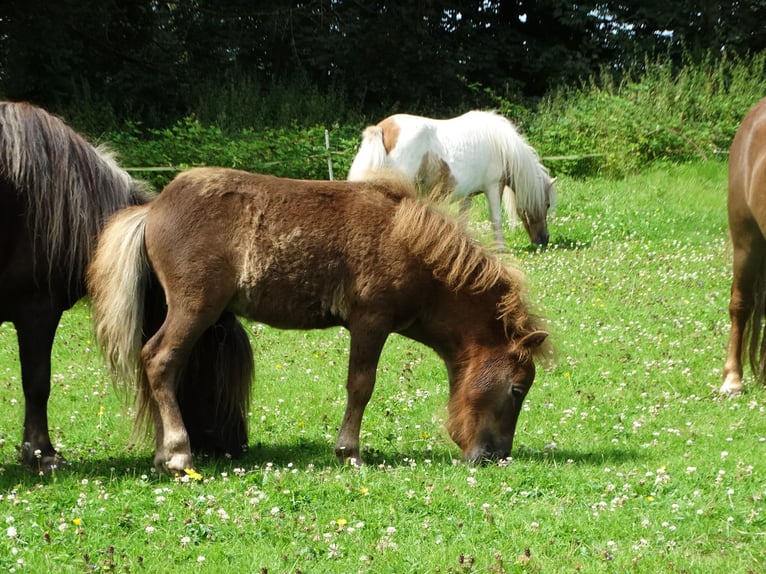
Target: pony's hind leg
x,y
36,329
747,271
164,357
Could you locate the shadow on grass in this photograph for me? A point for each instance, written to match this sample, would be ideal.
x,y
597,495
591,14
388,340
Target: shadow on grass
x,y
560,243
299,455
593,458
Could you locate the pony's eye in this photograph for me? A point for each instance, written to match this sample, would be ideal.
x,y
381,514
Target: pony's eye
x,y
516,392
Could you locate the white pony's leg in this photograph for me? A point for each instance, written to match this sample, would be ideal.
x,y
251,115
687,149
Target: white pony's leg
x,y
496,215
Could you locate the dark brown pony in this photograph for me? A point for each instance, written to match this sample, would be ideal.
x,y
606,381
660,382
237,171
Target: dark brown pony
x,y
747,226
56,192
313,254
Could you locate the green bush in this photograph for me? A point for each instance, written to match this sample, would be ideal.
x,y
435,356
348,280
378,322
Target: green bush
x,y
653,114
296,152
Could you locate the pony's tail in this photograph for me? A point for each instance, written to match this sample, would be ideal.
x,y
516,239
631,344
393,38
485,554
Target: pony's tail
x,y
118,279
214,392
128,307
371,155
755,331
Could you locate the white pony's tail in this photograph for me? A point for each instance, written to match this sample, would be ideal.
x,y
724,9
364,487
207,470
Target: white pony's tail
x,y
371,155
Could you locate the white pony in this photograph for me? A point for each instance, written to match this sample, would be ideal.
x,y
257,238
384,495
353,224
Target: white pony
x,y
478,152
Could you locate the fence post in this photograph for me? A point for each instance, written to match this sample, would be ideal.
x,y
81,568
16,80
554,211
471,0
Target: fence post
x,y
329,157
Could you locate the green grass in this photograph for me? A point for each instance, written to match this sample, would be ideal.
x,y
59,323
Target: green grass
x,y
625,460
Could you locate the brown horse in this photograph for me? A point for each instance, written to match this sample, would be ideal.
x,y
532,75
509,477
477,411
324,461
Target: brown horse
x,y
747,226
56,191
314,254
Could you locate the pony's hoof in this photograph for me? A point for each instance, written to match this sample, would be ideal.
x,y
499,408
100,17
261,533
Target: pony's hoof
x,y
347,457
729,391
731,387
41,463
176,465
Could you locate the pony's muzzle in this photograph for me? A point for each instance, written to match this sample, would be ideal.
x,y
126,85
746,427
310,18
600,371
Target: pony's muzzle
x,y
488,448
541,239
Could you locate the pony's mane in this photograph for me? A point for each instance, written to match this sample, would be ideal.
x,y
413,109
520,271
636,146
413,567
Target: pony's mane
x,y
69,186
456,259
530,178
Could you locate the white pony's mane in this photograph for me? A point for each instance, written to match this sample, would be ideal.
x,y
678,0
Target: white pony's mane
x,y
527,175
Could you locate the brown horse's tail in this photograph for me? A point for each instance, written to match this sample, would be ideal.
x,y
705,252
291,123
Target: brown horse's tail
x,y
755,334
128,307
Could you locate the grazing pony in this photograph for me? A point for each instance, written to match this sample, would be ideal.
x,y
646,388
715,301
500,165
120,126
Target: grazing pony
x,y
56,192
306,255
747,226
473,153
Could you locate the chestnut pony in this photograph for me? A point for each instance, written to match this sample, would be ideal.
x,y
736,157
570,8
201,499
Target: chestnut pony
x,y
56,191
306,255
478,152
747,226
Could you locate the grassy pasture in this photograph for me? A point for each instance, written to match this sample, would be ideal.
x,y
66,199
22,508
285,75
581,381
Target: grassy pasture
x,y
625,460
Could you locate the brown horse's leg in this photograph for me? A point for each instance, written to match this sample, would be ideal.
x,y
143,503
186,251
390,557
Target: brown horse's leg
x,y
748,259
36,329
366,345
164,357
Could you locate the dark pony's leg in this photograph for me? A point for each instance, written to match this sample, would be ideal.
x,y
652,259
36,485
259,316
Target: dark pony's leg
x,y
367,340
36,329
747,280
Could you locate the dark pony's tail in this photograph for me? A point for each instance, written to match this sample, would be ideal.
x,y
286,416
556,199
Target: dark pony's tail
x,y
755,330
128,307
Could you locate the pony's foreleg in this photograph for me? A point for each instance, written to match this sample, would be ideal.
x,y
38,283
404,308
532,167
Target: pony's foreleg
x,y
36,330
496,216
747,263
366,346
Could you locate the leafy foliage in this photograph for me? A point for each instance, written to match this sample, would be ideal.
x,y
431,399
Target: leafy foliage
x,y
157,61
653,114
287,152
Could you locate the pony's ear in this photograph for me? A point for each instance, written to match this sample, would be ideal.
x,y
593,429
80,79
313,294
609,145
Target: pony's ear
x,y
533,340
529,345
553,180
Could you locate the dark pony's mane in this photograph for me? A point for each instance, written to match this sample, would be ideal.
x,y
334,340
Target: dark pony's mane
x,y
69,186
461,263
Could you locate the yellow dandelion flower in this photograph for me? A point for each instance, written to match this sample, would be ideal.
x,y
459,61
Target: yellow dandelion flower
x,y
364,490
193,474
77,521
341,522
